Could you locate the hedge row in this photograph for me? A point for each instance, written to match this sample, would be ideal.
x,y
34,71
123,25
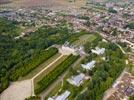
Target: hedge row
x,y
25,68
49,78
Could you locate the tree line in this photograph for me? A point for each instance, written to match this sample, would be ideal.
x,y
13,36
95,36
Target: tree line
x,y
23,68
19,57
53,75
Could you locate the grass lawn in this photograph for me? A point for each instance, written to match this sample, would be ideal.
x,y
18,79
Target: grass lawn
x,y
75,91
55,90
49,69
85,38
40,67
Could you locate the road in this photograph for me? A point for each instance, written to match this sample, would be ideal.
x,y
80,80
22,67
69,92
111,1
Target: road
x,y
128,42
121,48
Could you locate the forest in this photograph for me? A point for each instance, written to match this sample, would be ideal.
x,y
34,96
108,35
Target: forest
x,y
16,54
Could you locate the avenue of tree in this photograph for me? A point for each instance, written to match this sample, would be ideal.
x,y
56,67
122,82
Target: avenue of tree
x,y
20,56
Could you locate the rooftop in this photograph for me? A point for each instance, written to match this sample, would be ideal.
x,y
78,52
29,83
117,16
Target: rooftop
x,y
76,80
98,51
63,96
89,65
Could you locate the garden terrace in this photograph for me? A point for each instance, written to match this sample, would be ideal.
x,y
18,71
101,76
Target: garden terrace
x,y
53,75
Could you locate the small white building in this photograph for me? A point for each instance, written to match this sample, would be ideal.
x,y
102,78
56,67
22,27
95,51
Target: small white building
x,y
98,51
89,65
63,96
68,49
76,80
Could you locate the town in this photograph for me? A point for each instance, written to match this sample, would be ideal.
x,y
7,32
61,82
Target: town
x,y
74,53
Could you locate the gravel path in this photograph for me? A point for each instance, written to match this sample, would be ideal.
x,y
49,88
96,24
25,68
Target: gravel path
x,y
17,91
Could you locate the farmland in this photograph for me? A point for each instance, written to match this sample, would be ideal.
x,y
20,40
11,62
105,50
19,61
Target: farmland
x,y
53,4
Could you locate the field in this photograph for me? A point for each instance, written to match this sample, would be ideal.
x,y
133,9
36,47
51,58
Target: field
x,y
47,3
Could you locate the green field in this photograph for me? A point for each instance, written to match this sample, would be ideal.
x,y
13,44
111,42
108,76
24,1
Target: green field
x,y
55,90
85,38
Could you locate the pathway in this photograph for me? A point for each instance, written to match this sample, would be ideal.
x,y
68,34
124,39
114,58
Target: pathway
x,y
32,80
121,48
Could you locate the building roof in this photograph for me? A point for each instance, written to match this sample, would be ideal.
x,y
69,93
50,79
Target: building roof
x,y
89,65
129,91
76,80
63,96
98,51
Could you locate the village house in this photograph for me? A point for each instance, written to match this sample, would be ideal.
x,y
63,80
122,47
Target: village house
x,y
77,80
88,66
98,51
63,96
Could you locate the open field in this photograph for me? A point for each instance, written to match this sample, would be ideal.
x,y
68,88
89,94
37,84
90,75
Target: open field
x,y
4,1
17,91
47,3
40,67
85,38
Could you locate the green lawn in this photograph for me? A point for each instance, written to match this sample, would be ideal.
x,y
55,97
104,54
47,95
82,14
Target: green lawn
x,y
55,90
85,38
40,67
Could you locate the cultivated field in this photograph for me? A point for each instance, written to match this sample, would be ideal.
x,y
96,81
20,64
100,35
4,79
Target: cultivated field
x,y
54,4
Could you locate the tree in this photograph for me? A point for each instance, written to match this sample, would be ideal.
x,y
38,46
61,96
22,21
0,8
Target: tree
x,y
130,25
